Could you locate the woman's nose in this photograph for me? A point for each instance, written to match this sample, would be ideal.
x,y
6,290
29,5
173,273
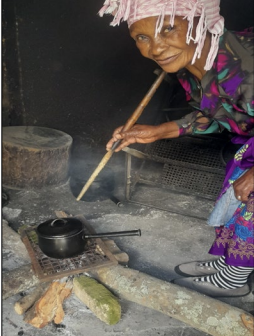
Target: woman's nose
x,y
157,46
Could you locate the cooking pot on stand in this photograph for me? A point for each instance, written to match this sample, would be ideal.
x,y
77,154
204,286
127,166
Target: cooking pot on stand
x,y
65,237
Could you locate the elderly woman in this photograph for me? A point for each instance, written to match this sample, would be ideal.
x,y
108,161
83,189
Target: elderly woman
x,y
215,67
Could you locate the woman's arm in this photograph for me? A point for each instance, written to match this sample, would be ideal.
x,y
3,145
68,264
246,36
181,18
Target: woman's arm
x,y
192,123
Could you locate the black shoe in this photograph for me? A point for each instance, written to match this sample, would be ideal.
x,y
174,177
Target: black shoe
x,y
211,290
195,268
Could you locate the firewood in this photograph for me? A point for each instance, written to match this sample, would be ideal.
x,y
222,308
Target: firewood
x,y
120,256
61,214
12,242
18,280
23,304
63,295
98,299
49,306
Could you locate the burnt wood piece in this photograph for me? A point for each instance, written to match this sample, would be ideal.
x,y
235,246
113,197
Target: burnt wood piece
x,y
27,301
18,280
12,242
121,257
49,306
34,157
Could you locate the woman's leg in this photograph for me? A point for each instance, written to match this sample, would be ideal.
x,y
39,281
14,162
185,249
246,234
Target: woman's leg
x,y
221,214
235,242
218,264
230,277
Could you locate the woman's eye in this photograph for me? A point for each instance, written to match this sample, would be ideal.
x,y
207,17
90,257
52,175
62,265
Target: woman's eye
x,y
141,38
168,29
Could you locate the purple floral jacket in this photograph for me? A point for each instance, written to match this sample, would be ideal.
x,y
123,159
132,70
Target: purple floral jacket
x,y
225,95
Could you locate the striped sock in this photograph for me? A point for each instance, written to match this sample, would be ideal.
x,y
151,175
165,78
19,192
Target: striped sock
x,y
218,264
230,277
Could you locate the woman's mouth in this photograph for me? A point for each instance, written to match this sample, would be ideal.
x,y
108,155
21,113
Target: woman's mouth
x,y
167,60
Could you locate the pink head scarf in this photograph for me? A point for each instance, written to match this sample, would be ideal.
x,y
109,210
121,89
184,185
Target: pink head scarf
x,y
208,11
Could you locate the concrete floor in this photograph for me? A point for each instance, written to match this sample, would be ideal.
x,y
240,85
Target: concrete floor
x,y
168,239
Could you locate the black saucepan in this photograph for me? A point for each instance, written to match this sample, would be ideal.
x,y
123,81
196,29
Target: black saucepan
x,y
65,238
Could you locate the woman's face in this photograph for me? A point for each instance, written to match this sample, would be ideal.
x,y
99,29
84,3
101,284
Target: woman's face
x,y
169,48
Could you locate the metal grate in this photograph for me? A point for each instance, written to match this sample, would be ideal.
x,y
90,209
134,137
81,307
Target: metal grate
x,y
195,181
197,154
95,255
191,165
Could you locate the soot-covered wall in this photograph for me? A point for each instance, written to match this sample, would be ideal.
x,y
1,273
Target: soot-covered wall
x,y
66,68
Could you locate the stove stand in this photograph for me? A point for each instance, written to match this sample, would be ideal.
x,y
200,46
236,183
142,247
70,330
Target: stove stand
x,y
96,255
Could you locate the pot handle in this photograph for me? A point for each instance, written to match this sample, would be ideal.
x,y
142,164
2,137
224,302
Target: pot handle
x,y
57,220
113,234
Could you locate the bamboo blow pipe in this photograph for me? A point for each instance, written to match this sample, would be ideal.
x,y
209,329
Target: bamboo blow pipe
x,y
130,122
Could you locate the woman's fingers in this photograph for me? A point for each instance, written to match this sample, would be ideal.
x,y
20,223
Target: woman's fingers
x,y
242,195
138,133
124,143
116,136
143,134
244,185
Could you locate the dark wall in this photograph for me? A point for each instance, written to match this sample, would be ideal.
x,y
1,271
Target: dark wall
x,y
66,68
75,72
238,14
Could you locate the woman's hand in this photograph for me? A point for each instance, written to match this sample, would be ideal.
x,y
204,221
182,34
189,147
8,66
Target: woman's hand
x,y
143,134
244,185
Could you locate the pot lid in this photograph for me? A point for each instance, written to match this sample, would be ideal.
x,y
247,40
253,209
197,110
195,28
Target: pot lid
x,y
59,228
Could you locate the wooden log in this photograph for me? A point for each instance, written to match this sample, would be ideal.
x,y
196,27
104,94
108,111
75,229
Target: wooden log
x,y
98,299
65,293
12,241
18,280
120,256
197,310
61,214
34,157
49,306
27,301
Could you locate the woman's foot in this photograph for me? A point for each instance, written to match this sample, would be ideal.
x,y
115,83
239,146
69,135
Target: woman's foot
x,y
230,281
209,289
201,268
